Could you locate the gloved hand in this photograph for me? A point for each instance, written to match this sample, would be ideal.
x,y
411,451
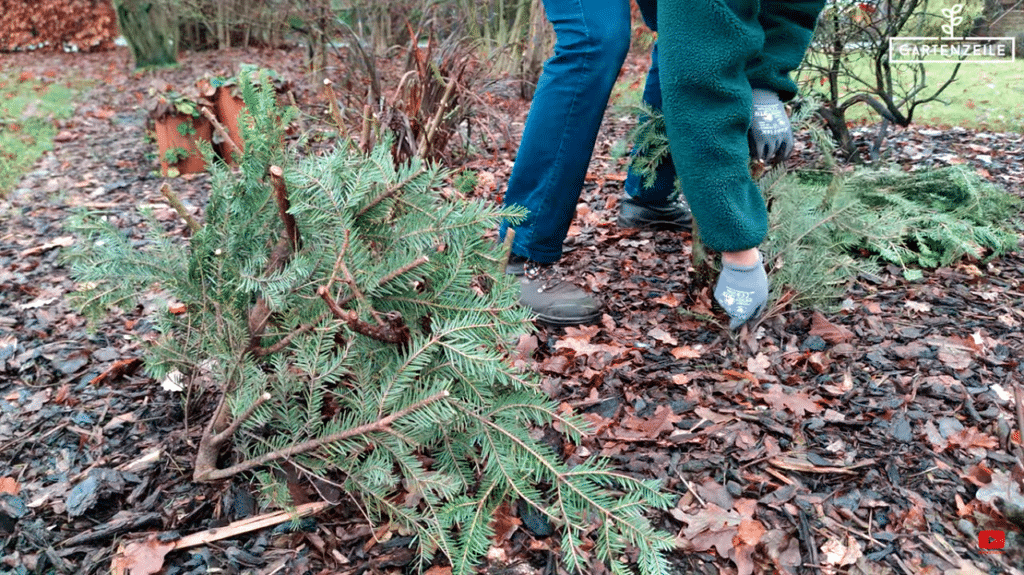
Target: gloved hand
x,y
771,136
742,291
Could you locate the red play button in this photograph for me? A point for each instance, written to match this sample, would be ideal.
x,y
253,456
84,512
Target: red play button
x,y
991,539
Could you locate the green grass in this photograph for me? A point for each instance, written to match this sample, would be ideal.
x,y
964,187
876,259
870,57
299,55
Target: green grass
x,y
28,109
983,96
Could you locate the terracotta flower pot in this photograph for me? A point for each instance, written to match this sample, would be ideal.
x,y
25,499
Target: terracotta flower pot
x,y
228,108
169,136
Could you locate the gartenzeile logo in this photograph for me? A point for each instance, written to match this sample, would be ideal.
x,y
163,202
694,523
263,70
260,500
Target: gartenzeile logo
x,y
952,49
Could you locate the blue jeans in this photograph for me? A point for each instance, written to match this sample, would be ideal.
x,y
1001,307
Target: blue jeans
x,y
561,128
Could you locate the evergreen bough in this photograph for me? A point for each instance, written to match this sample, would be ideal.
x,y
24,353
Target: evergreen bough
x,y
359,326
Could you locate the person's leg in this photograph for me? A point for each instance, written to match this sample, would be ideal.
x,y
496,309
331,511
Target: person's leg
x,y
564,119
557,143
654,206
704,47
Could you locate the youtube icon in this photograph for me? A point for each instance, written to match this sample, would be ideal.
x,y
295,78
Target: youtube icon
x,y
991,539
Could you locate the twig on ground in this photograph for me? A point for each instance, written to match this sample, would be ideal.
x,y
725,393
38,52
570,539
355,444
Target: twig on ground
x,y
693,491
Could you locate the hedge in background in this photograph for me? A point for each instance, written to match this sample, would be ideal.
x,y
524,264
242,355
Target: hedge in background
x,y
83,25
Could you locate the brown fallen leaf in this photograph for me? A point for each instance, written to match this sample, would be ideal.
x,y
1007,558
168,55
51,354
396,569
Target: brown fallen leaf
x,y
578,340
662,336
838,553
120,368
60,242
685,352
828,331
970,437
662,421
668,299
141,558
745,542
9,485
750,532
798,402
504,525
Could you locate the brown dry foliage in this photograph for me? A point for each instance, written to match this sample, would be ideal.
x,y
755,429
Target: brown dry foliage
x,y
50,24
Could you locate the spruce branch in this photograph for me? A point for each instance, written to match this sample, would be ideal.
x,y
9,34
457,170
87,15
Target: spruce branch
x,y
383,424
179,207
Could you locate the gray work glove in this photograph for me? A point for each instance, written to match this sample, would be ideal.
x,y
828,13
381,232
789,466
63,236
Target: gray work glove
x,y
771,136
742,291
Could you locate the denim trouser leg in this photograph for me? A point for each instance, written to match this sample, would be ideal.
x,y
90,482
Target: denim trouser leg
x,y
561,128
664,184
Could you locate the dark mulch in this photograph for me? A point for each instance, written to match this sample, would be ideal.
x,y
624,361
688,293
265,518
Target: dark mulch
x,y
873,440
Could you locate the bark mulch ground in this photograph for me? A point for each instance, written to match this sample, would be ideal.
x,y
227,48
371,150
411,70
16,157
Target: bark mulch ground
x,y
881,439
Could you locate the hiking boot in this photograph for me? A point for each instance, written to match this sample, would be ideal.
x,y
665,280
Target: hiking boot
x,y
674,217
555,300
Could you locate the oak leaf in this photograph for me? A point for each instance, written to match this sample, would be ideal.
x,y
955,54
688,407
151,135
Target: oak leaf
x,y
970,437
798,402
578,340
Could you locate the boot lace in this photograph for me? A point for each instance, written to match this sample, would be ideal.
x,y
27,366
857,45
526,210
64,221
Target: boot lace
x,y
545,273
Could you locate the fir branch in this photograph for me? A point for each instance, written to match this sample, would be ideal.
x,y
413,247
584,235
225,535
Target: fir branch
x,y
287,339
259,314
230,430
391,191
350,280
393,330
219,128
214,474
402,270
180,208
332,104
291,229
563,479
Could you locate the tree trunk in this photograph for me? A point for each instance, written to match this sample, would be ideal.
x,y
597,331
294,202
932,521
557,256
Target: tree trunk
x,y
150,30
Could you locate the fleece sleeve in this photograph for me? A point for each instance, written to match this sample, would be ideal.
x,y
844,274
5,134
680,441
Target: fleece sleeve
x,y
704,46
707,49
788,26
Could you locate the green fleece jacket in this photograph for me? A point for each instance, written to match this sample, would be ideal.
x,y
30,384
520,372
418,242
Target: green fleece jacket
x,y
712,53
